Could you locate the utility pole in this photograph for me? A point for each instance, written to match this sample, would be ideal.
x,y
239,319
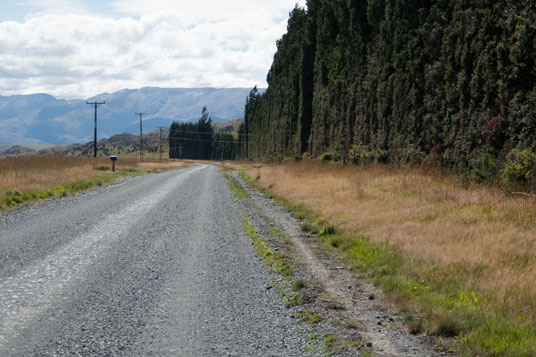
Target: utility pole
x,y
160,142
141,134
95,105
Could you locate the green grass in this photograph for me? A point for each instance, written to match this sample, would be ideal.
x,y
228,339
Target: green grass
x,y
233,184
307,227
290,298
500,337
445,309
330,341
332,344
13,198
315,346
277,232
275,262
309,316
299,285
328,230
277,266
313,337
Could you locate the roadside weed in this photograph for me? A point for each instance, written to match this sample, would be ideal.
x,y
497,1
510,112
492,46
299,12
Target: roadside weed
x,y
309,316
298,285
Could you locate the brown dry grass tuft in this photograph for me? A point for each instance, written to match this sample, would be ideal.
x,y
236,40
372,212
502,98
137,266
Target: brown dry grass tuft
x,y
162,165
476,234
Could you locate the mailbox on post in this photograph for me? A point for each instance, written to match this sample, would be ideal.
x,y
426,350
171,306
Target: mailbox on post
x,y
113,158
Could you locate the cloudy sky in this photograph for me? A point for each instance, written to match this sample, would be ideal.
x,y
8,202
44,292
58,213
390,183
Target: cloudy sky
x,y
80,48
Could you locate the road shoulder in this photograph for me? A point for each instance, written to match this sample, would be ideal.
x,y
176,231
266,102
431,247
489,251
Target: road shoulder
x,y
349,315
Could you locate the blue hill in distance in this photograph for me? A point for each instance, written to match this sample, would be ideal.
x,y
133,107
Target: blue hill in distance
x,y
42,119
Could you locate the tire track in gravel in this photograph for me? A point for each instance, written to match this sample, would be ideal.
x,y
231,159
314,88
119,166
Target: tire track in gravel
x,y
31,233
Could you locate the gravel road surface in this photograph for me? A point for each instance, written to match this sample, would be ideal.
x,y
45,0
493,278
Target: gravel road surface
x,y
157,265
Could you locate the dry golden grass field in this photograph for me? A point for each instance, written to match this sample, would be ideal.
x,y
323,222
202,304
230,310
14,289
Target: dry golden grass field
x,y
52,173
475,237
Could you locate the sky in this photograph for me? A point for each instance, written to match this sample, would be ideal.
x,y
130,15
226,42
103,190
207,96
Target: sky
x,y
81,48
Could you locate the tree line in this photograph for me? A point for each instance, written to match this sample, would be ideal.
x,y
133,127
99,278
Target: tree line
x,y
443,83
199,141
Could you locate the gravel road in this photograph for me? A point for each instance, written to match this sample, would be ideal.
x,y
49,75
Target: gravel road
x,y
157,265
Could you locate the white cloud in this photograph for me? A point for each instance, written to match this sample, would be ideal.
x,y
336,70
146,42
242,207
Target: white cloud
x,y
207,10
85,54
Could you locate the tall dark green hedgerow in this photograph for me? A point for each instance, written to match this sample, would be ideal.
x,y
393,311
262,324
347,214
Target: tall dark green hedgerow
x,y
452,82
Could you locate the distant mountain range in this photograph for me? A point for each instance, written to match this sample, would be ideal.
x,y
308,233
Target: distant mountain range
x,y
121,144
124,144
43,119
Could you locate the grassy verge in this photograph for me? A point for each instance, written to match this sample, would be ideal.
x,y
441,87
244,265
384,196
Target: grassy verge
x,y
444,309
12,198
435,298
29,179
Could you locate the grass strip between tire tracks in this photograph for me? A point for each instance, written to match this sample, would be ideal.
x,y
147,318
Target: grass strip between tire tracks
x,y
233,184
278,268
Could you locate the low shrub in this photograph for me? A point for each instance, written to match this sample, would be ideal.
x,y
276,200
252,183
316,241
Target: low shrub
x,y
409,156
519,171
307,227
360,155
483,167
330,156
328,230
298,285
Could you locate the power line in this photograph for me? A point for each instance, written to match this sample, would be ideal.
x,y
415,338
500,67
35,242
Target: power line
x,y
205,133
209,141
215,141
95,105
